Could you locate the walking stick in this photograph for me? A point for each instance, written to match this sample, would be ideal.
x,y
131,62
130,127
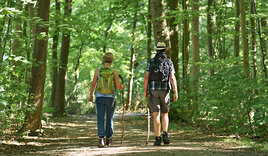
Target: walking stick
x,y
148,118
123,110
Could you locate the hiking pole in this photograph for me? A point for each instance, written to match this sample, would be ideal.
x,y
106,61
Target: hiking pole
x,y
123,111
148,117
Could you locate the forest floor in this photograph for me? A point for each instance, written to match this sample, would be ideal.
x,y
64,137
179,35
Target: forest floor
x,y
77,135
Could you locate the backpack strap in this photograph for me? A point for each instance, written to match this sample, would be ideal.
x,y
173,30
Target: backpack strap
x,y
99,73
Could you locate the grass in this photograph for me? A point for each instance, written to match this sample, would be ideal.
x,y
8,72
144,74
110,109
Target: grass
x,y
260,145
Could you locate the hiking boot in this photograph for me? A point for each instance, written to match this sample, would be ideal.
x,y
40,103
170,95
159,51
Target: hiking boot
x,y
108,141
157,141
165,138
101,142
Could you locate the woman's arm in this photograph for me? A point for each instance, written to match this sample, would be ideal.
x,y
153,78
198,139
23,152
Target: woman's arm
x,y
95,78
116,79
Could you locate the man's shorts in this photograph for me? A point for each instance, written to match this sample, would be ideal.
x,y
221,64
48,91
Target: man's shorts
x,y
159,100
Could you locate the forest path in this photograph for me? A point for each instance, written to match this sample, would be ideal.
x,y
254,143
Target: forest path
x,y
77,135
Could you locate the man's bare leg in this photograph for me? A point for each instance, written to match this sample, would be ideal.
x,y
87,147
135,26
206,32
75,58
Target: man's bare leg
x,y
157,126
165,121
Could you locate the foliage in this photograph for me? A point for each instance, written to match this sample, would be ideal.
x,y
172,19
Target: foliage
x,y
13,98
229,102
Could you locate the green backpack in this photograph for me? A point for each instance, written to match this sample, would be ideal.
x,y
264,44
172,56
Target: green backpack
x,y
106,81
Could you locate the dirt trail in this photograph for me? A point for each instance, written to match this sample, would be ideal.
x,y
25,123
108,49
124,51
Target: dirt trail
x,y
77,135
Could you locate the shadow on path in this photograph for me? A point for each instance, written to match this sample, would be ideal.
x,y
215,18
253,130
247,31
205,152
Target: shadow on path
x,y
77,135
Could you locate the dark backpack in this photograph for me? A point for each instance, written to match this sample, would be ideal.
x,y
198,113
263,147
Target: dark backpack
x,y
159,69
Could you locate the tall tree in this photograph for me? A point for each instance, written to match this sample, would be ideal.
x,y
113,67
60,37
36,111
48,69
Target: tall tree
x,y
17,44
149,32
261,23
33,120
132,61
6,36
244,38
237,29
55,53
174,35
185,59
209,39
253,40
65,45
196,54
185,45
76,76
161,33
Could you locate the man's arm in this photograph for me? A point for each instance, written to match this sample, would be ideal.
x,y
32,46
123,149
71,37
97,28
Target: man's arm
x,y
174,86
146,79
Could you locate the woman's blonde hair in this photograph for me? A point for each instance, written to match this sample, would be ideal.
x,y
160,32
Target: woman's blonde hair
x,y
108,58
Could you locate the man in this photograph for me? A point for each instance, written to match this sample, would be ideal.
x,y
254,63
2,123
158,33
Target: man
x,y
159,73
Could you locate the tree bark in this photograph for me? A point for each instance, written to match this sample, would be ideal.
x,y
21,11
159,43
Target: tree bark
x,y
209,39
185,44
237,29
224,52
253,41
149,32
161,33
196,54
261,23
55,54
174,35
244,38
17,44
132,61
38,69
76,76
65,45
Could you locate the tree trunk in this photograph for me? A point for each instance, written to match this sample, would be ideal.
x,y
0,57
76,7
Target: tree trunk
x,y
209,39
196,54
253,41
38,69
161,33
32,14
173,6
3,50
76,76
132,61
185,41
224,52
65,45
237,29
219,24
244,38
17,44
262,23
149,32
55,54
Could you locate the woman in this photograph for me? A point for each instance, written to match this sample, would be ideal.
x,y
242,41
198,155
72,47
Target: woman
x,y
106,79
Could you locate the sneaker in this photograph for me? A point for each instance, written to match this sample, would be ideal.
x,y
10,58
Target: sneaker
x,y
157,141
165,138
101,142
108,141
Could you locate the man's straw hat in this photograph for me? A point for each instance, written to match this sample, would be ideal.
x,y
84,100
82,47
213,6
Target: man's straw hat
x,y
161,46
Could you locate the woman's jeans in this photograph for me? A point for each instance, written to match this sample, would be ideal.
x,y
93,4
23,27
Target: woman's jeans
x,y
105,104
